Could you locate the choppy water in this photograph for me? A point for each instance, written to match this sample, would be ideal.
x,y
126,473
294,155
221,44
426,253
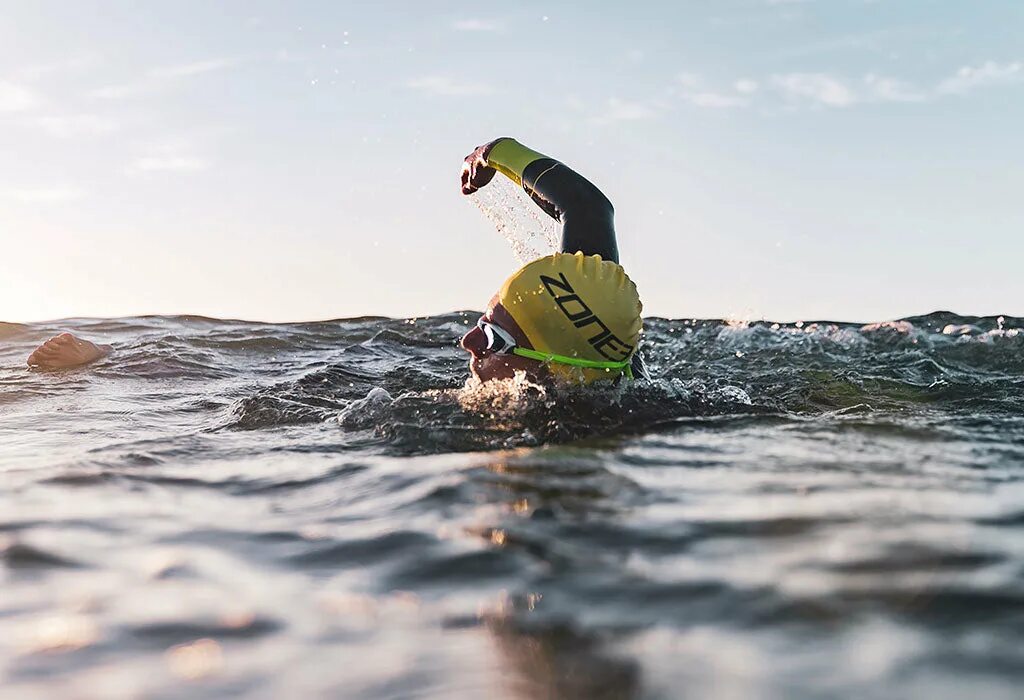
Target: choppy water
x,y
316,510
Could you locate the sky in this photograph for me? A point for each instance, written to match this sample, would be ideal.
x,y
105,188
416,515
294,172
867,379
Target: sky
x,y
790,160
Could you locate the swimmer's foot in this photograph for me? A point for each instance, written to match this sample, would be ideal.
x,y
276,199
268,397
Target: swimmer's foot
x,y
65,350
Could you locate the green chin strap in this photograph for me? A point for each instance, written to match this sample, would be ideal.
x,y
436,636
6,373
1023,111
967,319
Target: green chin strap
x,y
625,366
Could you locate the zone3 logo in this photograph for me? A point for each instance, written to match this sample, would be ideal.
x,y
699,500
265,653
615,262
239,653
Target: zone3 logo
x,y
581,315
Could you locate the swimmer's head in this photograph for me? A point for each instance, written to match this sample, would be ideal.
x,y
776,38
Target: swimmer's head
x,y
485,362
576,307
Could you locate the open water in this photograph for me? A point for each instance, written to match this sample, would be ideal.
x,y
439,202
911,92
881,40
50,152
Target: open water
x,y
328,510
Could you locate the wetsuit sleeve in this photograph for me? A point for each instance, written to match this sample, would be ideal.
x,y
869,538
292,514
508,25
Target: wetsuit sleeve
x,y
585,213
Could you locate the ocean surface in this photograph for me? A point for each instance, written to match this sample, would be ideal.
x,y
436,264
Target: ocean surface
x,y
329,510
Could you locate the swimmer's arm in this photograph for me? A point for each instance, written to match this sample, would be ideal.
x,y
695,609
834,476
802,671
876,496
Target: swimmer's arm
x,y
585,213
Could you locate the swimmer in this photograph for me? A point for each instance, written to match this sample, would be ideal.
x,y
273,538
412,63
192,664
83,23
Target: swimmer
x,y
573,315
65,351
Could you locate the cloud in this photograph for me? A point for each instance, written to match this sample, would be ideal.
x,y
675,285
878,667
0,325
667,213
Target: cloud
x,y
694,92
714,100
168,163
16,98
116,92
689,80
68,65
72,125
817,88
476,25
160,76
987,74
197,68
880,89
855,43
444,85
624,111
43,195
829,91
825,90
171,155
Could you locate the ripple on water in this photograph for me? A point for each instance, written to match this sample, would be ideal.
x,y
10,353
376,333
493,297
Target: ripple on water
x,y
225,508
20,556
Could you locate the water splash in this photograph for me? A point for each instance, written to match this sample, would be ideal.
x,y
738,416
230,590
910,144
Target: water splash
x,y
528,231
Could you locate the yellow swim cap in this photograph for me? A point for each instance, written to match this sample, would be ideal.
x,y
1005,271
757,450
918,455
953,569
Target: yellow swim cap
x,y
578,306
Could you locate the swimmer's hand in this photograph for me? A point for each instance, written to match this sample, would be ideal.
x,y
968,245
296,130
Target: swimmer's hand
x,y
476,173
66,350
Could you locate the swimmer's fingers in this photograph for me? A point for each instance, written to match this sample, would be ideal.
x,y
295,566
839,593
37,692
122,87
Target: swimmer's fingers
x,y
58,344
44,352
475,176
475,171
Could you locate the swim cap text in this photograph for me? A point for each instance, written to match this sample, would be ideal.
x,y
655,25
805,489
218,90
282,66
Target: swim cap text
x,y
577,311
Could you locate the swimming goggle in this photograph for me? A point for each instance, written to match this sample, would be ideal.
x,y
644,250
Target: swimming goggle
x,y
501,342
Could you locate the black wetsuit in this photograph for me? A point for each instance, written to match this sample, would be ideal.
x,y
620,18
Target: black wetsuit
x,y
586,215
